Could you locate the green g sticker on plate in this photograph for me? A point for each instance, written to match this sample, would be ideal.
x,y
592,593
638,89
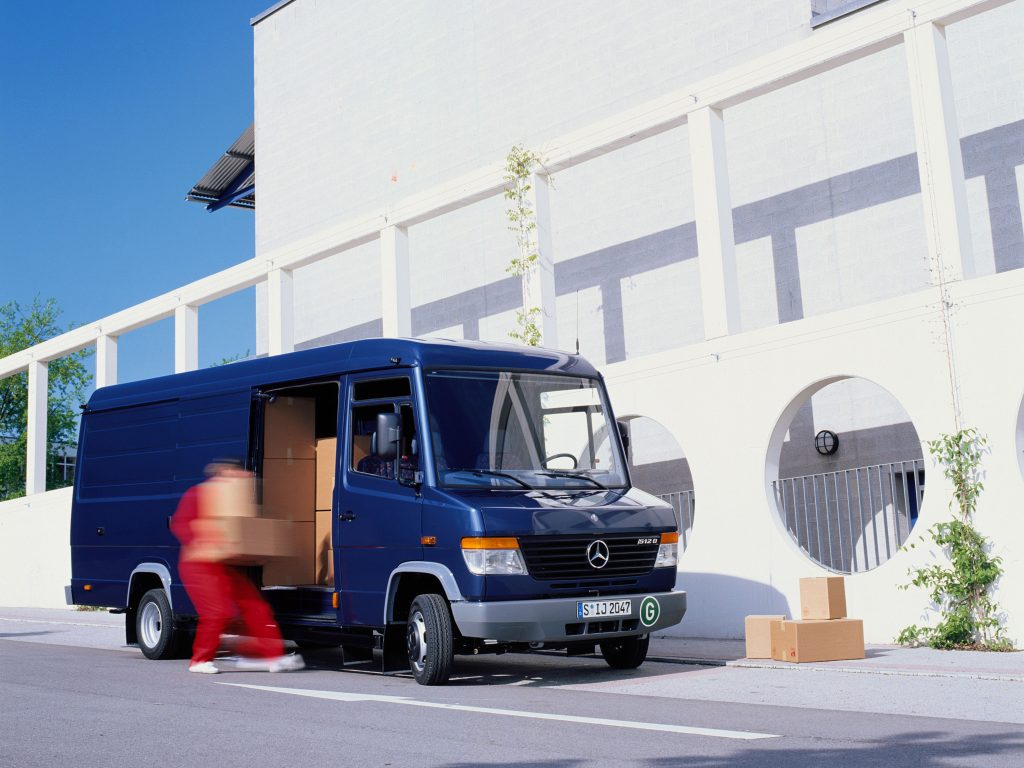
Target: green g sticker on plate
x,y
650,610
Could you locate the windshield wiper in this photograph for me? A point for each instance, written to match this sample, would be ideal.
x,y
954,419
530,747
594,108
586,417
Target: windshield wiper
x,y
495,473
575,476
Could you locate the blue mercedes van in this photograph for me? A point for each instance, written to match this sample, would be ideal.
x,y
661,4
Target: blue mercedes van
x,y
442,498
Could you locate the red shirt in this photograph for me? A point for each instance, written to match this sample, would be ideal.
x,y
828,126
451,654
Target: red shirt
x,y
188,510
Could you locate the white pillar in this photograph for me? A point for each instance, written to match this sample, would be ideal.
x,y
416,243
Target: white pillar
x,y
35,469
539,286
939,161
186,338
106,361
280,312
716,249
394,282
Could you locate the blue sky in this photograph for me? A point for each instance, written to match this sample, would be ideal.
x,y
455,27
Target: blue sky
x,y
109,113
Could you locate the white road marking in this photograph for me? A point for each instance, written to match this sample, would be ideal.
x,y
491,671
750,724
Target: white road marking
x,y
64,623
640,726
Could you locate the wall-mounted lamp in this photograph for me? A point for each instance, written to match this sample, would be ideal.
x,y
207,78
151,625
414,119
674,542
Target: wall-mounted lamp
x,y
826,442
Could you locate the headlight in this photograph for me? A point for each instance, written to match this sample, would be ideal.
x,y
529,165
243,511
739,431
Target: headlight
x,y
668,551
493,556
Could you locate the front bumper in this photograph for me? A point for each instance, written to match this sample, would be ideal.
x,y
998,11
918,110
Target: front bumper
x,y
547,621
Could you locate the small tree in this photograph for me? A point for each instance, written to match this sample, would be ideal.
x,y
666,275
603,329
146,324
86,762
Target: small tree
x,y
20,328
960,590
522,222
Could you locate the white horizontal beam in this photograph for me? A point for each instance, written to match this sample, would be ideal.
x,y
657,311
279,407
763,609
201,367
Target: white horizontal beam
x,y
866,32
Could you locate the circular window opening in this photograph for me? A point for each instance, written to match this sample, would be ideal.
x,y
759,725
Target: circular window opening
x,y
850,478
1020,438
658,465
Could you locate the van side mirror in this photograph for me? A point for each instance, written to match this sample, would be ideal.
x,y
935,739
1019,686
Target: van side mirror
x,y
624,436
387,436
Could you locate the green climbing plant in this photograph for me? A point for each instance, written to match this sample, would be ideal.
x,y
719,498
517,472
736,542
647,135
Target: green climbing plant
x,y
960,590
522,222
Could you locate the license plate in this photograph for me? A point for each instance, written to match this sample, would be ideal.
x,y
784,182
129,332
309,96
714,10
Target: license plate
x,y
603,609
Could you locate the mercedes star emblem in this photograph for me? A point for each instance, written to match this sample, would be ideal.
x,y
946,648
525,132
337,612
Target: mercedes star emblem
x,y
597,554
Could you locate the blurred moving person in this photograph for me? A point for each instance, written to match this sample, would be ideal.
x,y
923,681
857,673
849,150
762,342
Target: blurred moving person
x,y
220,591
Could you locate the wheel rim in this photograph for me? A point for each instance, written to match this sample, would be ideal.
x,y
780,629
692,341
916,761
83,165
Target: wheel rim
x,y
416,638
150,624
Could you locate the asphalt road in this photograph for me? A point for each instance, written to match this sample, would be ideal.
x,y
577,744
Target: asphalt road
x,y
72,696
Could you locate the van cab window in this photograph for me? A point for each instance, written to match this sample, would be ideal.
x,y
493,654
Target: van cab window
x,y
510,430
365,461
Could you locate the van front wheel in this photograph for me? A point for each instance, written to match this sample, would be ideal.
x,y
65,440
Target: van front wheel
x,y
154,627
430,640
626,652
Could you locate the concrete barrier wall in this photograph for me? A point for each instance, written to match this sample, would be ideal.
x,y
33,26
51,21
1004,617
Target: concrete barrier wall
x,y
35,551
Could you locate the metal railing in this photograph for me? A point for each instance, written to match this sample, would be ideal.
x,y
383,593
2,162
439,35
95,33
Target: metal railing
x,y
852,520
682,502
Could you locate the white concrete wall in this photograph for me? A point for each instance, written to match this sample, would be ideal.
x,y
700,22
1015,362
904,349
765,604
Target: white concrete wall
x,y
741,559
35,550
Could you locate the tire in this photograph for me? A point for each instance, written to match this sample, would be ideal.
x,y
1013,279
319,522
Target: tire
x,y
154,628
430,640
626,652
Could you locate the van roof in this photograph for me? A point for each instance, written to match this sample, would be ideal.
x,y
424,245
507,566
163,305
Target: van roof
x,y
362,355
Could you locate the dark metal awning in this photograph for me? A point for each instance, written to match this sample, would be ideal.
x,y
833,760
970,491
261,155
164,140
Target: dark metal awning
x,y
232,179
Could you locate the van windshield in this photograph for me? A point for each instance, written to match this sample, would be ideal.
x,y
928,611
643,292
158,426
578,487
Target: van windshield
x,y
513,430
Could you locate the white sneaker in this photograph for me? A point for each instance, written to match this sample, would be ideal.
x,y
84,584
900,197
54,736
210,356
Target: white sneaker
x,y
204,668
290,663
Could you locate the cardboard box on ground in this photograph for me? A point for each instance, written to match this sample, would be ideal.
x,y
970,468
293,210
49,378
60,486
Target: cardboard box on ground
x,y
825,634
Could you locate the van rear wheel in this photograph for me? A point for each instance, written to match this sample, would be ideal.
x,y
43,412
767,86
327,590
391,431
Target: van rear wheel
x,y
154,627
429,640
626,652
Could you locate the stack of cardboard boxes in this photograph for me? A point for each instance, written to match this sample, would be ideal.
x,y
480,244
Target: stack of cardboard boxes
x,y
824,633
289,485
326,450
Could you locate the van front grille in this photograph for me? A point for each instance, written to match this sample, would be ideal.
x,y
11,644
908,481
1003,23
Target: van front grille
x,y
565,557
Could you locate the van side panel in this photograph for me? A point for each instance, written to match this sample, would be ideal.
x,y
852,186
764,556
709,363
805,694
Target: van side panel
x,y
134,464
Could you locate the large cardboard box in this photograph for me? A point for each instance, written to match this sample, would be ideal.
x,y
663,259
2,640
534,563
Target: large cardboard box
x,y
326,468
298,569
821,640
289,489
289,430
823,597
758,635
241,540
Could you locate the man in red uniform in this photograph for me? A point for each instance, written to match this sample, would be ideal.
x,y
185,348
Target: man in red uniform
x,y
222,592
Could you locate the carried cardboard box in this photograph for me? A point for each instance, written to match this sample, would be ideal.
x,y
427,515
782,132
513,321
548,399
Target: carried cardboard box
x,y
326,453
228,530
818,640
757,630
823,597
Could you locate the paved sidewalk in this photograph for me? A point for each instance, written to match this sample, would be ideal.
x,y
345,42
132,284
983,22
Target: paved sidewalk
x,y
880,660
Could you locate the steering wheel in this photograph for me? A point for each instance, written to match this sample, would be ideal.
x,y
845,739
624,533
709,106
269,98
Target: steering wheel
x,y
575,461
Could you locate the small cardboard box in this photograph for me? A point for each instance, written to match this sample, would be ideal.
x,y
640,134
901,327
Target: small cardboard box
x,y
780,638
240,540
289,489
298,569
758,635
326,453
821,640
823,597
289,430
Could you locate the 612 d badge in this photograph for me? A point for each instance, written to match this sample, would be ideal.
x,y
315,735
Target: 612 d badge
x,y
650,610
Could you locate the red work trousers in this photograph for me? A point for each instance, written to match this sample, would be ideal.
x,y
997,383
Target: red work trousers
x,y
220,593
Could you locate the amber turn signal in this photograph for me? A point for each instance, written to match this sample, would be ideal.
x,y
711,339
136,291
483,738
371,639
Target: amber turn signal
x,y
482,542
428,541
670,538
